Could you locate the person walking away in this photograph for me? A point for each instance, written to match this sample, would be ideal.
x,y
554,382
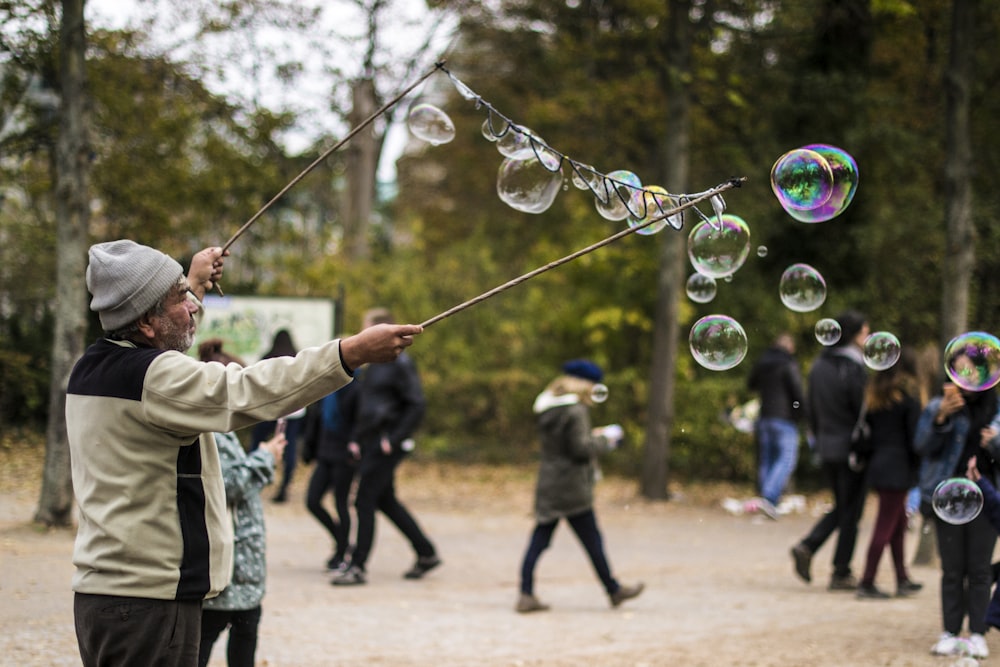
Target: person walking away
x,y
776,379
282,346
953,429
327,433
835,397
893,399
153,537
390,406
566,476
238,607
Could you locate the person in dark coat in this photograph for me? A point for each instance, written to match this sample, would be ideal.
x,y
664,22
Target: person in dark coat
x,y
566,475
327,434
836,393
776,378
893,403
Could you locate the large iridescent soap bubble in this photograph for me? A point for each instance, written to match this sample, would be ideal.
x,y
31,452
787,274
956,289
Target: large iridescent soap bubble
x,y
526,185
828,331
701,288
972,360
802,180
719,249
650,203
957,500
718,342
881,350
802,288
614,195
845,184
429,123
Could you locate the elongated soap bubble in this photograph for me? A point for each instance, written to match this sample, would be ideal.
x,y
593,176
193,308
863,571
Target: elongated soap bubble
x,y
802,288
720,251
957,500
718,342
881,350
701,288
526,185
427,122
801,180
828,331
845,184
651,203
972,360
616,194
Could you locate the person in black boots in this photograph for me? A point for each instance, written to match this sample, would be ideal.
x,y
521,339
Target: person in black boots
x,y
390,406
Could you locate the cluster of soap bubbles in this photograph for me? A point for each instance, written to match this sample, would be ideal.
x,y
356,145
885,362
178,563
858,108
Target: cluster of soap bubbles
x,y
957,500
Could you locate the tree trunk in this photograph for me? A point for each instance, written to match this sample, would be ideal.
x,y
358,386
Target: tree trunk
x,y
72,217
675,157
959,258
362,162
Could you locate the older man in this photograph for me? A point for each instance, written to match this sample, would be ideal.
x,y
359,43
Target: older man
x,y
154,538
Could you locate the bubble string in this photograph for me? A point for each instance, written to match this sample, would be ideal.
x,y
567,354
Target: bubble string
x,y
315,163
608,184
690,202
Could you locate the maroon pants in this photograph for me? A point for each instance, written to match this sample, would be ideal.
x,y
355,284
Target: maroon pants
x,y
890,529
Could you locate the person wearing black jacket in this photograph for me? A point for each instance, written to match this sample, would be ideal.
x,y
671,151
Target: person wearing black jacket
x,y
836,393
327,433
390,406
776,378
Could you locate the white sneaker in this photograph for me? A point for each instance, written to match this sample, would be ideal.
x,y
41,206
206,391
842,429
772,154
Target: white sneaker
x,y
977,646
947,644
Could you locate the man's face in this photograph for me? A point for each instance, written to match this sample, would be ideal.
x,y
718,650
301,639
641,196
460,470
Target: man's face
x,y
174,329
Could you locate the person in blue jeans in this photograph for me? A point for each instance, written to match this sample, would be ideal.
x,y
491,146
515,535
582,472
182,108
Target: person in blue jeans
x,y
776,378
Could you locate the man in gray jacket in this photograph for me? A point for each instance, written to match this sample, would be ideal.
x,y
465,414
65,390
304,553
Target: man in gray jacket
x,y
154,539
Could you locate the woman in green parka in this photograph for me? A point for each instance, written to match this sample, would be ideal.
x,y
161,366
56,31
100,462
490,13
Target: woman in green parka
x,y
566,476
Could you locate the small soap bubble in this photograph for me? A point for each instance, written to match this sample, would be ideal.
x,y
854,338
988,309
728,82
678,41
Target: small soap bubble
x,y
526,185
701,288
972,360
845,184
585,177
718,342
802,288
802,179
488,131
599,393
516,143
762,251
649,203
615,194
828,331
427,122
881,350
719,252
957,500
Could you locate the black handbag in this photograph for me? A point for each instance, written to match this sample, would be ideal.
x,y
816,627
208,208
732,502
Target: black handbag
x,y
861,442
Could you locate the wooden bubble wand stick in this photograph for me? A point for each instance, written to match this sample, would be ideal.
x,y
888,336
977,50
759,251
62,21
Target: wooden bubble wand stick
x,y
315,163
708,194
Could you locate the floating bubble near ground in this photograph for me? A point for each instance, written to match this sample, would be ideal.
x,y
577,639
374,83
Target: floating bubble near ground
x,y
828,331
972,360
881,350
957,500
718,342
701,288
526,185
845,184
430,124
802,179
719,251
802,288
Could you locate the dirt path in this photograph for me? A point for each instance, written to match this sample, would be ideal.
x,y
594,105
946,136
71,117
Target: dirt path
x,y
720,589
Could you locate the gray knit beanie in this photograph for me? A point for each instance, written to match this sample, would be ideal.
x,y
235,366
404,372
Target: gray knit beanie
x,y
127,279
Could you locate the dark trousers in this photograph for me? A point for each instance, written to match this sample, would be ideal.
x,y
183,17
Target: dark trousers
x,y
377,492
849,492
589,535
136,632
242,635
890,530
966,575
336,477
